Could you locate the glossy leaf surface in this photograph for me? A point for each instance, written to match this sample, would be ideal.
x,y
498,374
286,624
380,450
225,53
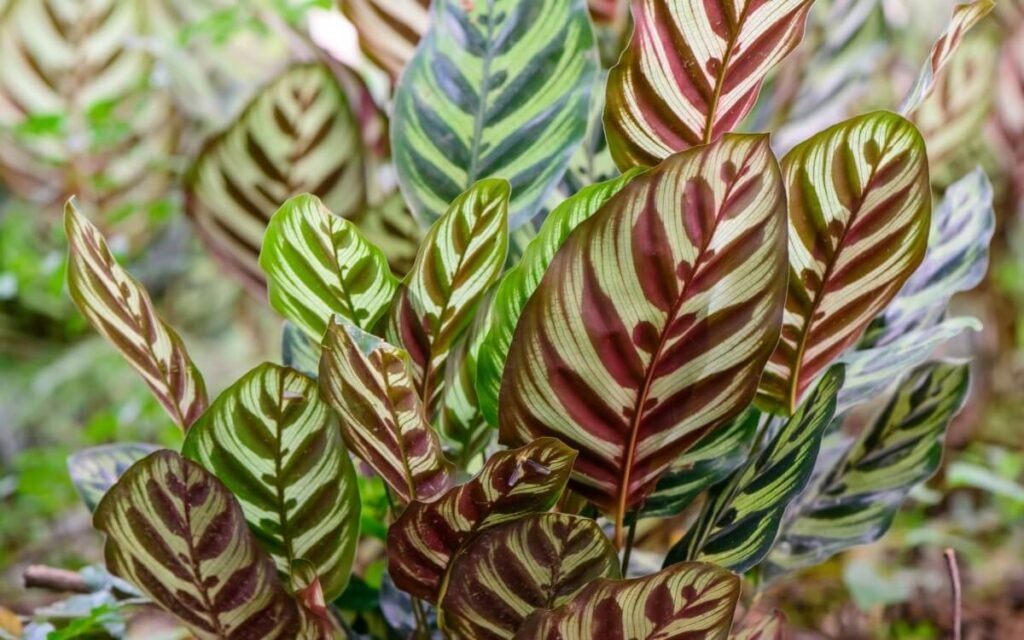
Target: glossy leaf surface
x,y
94,470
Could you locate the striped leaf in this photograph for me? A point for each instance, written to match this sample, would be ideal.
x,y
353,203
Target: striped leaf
x,y
692,71
297,135
174,531
519,283
497,89
710,461
319,265
965,16
390,226
369,384
94,470
389,30
859,213
424,539
740,521
770,627
276,446
651,327
694,601
460,258
119,308
508,572
856,501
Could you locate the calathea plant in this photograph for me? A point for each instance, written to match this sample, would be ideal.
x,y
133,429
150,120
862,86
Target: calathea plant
x,y
689,334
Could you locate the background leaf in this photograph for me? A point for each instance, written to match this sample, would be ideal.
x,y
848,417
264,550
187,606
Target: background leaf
x,y
94,470
389,30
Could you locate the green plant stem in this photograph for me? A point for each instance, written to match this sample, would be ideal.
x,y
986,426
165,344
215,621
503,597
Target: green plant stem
x,y
628,551
422,631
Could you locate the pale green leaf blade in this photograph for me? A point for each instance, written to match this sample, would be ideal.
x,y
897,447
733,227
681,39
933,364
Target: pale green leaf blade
x,y
94,470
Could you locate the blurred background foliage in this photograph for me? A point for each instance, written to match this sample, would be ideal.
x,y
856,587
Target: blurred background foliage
x,y
113,100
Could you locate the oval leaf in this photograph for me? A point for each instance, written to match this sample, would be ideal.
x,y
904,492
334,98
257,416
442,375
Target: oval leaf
x,y
652,325
508,572
424,539
94,470
389,30
496,89
859,213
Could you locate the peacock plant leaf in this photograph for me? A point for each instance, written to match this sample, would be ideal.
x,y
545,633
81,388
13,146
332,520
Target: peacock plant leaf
x,y
297,135
740,521
692,71
276,446
519,283
695,601
423,540
651,327
119,308
369,384
859,213
175,532
856,501
533,563
460,258
319,265
390,226
389,30
299,351
496,89
94,470
965,16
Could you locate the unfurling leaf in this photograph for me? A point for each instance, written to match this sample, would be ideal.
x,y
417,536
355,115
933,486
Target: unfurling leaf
x,y
691,600
94,470
319,265
740,521
389,30
856,501
175,532
272,441
496,89
368,383
425,538
119,308
859,213
693,71
651,327
508,572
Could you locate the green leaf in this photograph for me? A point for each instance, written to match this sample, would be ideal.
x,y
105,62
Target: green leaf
x,y
319,265
390,226
389,30
691,600
497,89
693,71
538,562
299,351
424,539
118,307
178,534
740,521
461,257
859,213
369,384
94,470
651,327
521,281
277,447
297,135
856,501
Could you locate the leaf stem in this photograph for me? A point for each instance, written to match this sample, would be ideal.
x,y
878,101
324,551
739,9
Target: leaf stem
x,y
422,631
628,551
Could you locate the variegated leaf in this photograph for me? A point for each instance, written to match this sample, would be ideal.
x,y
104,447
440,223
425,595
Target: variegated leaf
x,y
859,213
497,89
460,258
740,521
319,265
856,501
709,462
692,71
175,532
94,470
390,226
299,351
276,446
425,538
389,30
533,563
119,308
965,16
770,627
369,384
297,135
519,283
652,325
695,601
